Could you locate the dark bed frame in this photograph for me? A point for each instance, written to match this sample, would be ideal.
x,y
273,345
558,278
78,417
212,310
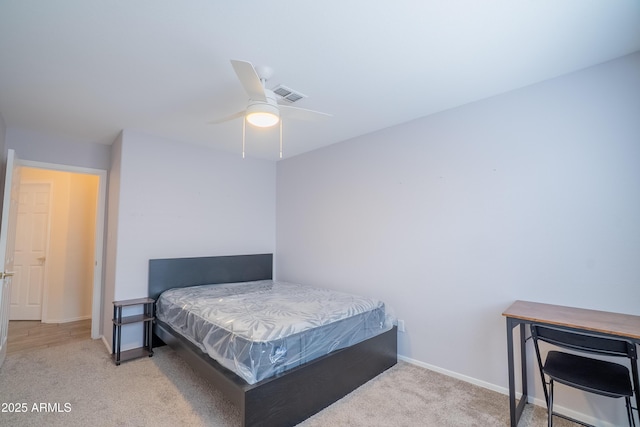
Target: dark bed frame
x,y
290,397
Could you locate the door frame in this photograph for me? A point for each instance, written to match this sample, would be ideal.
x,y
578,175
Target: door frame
x,y
96,307
8,224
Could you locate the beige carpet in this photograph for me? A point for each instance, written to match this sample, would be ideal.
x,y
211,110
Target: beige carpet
x,y
83,387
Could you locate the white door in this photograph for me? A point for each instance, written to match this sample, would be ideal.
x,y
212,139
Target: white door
x,y
7,236
32,235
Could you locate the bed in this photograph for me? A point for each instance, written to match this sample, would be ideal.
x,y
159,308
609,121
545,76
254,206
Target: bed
x,y
284,397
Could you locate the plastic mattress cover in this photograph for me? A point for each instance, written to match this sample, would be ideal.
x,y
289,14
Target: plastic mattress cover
x,y
262,328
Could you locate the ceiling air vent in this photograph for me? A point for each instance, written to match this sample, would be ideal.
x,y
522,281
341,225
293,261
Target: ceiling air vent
x,y
288,94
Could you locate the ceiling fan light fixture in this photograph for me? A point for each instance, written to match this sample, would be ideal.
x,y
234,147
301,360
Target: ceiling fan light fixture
x,y
262,115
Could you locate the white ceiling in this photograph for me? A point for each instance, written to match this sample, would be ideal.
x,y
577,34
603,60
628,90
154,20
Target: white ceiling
x,y
87,69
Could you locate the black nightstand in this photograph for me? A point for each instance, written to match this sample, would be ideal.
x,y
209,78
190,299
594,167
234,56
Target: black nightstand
x,y
146,318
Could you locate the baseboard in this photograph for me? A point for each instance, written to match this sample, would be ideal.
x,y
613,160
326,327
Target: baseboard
x,y
107,344
503,390
465,378
73,319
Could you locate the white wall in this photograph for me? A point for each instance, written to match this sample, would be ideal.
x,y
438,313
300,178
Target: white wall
x,y
83,202
181,200
532,195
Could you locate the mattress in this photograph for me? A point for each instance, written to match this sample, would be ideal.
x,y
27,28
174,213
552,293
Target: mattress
x,y
263,328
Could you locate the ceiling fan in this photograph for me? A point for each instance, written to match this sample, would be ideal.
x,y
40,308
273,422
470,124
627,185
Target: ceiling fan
x,y
266,107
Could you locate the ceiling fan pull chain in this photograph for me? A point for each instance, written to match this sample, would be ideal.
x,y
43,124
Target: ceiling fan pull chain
x,y
244,124
280,138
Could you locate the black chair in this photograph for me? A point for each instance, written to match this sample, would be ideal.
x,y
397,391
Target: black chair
x,y
585,373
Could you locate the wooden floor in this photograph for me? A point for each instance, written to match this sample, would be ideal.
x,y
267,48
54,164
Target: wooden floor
x,y
25,335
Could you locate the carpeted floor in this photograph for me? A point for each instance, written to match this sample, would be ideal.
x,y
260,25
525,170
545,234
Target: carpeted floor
x,y
79,386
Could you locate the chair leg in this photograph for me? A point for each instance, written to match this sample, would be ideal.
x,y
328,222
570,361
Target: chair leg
x,y
550,405
632,421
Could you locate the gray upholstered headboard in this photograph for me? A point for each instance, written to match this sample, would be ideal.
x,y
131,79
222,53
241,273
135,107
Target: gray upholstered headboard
x,y
181,272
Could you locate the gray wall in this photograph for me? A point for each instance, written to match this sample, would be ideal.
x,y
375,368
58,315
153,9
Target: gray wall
x,y
3,132
3,159
39,147
532,195
169,199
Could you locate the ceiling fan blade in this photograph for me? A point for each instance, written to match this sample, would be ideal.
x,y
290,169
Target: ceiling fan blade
x,y
249,79
226,119
289,112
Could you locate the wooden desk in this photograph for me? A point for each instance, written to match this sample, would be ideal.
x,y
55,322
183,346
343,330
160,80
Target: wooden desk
x,y
521,313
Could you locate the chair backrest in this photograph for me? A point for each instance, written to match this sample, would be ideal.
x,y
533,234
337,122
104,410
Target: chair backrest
x,y
584,342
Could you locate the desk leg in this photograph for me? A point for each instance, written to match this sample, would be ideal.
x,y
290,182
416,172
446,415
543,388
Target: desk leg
x,y
636,386
516,411
523,367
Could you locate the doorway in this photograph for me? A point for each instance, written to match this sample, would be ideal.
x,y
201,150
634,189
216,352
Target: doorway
x,y
70,278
